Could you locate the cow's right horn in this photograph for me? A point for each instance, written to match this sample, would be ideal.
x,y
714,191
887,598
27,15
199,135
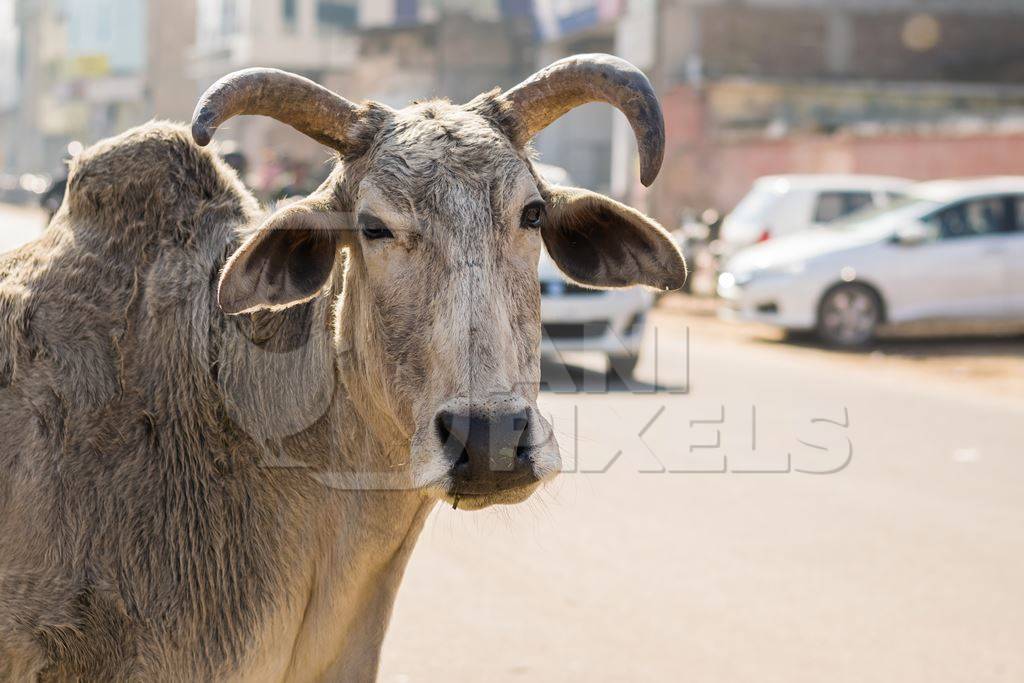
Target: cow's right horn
x,y
307,107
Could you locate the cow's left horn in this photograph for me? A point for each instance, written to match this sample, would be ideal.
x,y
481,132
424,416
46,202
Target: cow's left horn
x,y
568,83
305,106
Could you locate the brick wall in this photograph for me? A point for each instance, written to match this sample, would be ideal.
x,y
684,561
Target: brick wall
x,y
720,174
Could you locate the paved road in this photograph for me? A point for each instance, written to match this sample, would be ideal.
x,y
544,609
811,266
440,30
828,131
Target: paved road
x,y
906,565
650,563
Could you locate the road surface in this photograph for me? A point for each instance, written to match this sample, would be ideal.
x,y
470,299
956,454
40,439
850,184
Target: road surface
x,y
685,545
905,565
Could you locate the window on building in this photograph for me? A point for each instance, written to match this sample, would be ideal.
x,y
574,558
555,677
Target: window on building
x,y
336,13
288,12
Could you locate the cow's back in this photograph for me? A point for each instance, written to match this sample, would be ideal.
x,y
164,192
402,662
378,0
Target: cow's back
x,y
120,482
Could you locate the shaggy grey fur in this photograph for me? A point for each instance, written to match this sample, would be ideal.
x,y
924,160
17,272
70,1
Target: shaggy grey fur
x,y
141,535
170,506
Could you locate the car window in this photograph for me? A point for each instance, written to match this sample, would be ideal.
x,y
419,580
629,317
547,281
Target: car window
x,y
833,205
1018,210
972,218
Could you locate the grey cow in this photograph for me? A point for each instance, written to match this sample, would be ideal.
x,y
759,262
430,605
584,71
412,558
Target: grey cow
x,y
221,432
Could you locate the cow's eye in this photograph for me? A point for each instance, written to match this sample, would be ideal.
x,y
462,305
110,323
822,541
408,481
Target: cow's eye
x,y
533,215
373,228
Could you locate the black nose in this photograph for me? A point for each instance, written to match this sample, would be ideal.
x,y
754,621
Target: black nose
x,y
489,451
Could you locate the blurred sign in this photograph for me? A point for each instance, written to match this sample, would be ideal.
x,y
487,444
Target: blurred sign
x,y
89,66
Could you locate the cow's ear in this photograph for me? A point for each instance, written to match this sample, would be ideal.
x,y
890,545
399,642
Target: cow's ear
x,y
287,261
599,242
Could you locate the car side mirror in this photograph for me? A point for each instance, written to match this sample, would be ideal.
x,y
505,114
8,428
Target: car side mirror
x,y
911,235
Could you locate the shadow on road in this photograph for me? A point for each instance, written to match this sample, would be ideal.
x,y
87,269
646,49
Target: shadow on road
x,y
930,346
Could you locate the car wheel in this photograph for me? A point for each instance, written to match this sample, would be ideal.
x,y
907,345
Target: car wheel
x,y
622,366
849,315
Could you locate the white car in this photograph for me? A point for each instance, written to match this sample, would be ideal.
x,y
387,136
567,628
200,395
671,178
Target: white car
x,y
951,250
577,319
784,204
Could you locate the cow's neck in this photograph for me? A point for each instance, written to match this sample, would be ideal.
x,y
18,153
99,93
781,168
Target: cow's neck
x,y
353,587
361,538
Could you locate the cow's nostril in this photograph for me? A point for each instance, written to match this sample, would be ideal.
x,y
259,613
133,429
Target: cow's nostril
x,y
521,425
451,442
523,446
443,423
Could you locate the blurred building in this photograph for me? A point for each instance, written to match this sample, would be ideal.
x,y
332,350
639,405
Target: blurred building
x,y
393,51
412,49
169,86
9,40
36,25
315,38
921,88
582,141
91,68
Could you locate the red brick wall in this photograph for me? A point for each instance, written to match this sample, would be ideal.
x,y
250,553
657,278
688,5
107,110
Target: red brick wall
x,y
915,156
681,182
705,168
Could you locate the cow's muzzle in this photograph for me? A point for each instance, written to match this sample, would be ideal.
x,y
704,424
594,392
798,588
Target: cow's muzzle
x,y
488,447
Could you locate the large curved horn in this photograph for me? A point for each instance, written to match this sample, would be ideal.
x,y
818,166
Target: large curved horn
x,y
548,94
305,106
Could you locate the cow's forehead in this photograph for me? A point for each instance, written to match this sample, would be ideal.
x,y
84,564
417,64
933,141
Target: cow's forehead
x,y
434,149
439,124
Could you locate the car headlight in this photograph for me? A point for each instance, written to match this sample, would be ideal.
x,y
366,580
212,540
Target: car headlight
x,y
730,279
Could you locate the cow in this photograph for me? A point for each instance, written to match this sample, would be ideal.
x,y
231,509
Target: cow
x,y
221,431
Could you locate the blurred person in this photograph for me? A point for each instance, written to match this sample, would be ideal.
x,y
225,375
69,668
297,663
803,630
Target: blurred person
x,y
53,197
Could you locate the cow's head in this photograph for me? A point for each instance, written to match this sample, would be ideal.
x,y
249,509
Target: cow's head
x,y
443,217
